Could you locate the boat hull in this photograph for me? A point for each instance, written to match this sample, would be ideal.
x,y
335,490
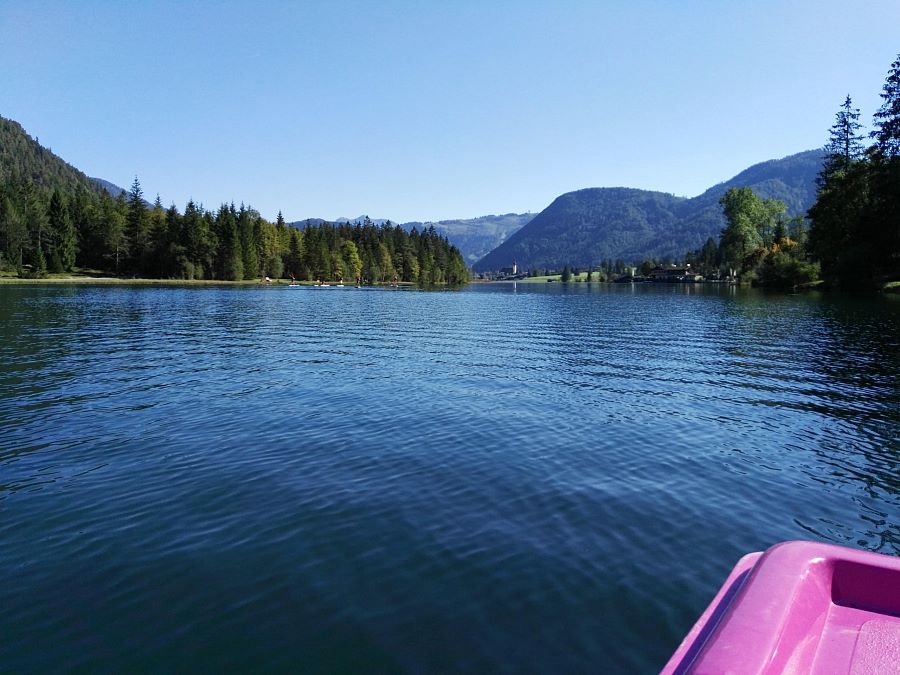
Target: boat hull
x,y
800,607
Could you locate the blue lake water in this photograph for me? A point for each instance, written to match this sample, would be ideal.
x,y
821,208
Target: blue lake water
x,y
499,479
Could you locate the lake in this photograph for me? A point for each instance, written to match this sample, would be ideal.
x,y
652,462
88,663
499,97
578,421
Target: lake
x,y
506,478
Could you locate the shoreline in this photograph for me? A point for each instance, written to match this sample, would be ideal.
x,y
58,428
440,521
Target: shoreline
x,y
122,281
87,279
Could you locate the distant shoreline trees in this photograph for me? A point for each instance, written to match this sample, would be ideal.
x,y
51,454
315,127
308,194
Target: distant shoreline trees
x,y
53,220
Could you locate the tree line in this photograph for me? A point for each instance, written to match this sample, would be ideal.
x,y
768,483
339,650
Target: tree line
x,y
60,229
855,232
851,236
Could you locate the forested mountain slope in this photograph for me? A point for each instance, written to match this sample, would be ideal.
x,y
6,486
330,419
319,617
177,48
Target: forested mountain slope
x,y
54,219
24,159
476,237
587,226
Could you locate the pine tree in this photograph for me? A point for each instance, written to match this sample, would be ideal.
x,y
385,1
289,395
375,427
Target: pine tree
x,y
883,228
157,240
13,231
115,221
174,258
836,235
887,120
137,227
845,143
62,234
39,229
231,253
40,262
82,207
249,245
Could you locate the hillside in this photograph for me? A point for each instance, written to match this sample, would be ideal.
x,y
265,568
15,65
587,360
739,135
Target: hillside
x,y
584,227
54,219
113,189
476,237
23,159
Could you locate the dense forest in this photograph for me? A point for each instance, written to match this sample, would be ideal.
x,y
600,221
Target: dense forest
x,y
53,218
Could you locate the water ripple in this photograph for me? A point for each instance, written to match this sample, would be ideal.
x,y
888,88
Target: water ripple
x,y
502,479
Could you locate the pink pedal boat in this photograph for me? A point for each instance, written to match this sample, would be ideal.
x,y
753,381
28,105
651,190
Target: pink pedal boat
x,y
800,607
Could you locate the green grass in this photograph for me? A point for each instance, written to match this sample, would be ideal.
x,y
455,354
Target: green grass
x,y
534,280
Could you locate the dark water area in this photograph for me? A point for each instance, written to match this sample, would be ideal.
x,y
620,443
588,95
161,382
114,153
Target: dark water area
x,y
500,479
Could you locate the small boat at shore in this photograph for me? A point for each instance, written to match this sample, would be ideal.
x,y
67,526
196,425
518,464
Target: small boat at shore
x,y
799,607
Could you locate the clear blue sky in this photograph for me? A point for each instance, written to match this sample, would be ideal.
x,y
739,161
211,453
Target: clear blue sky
x,y
425,110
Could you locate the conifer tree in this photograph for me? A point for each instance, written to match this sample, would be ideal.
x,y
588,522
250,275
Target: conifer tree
x,y
193,241
887,120
62,234
39,226
39,268
249,246
137,224
13,232
114,220
883,228
845,143
157,240
232,261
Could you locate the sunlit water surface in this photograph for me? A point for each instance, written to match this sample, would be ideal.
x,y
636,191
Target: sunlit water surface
x,y
501,479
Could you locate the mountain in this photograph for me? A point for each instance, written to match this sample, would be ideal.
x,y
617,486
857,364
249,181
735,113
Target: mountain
x,y
579,228
587,226
307,222
113,189
475,237
359,220
24,158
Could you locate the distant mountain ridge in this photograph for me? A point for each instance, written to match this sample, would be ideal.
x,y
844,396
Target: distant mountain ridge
x,y
587,226
474,237
113,189
359,220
